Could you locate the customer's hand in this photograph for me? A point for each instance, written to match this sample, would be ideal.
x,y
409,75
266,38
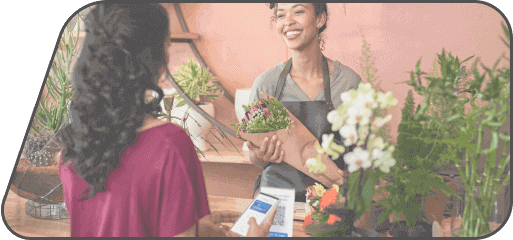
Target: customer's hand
x,y
256,230
210,225
269,151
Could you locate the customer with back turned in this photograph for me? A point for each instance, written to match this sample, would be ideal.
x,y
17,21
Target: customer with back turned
x,y
124,172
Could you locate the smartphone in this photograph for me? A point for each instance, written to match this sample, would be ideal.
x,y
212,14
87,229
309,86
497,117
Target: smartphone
x,y
260,208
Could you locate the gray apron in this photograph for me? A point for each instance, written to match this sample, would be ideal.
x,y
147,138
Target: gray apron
x,y
313,115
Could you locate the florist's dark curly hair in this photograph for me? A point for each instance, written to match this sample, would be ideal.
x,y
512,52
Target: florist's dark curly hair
x,y
119,61
319,8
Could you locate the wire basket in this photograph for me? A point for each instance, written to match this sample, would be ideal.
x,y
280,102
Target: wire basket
x,y
43,210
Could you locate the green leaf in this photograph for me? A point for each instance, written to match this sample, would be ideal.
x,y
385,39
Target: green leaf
x,y
367,194
467,59
504,137
353,188
493,144
454,117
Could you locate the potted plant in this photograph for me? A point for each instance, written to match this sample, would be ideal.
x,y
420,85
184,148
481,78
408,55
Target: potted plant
x,y
167,114
475,108
413,178
194,80
352,137
37,177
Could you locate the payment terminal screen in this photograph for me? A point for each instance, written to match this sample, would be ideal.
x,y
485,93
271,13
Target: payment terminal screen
x,y
258,209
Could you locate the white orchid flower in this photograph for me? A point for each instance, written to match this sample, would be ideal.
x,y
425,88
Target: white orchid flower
x,y
332,116
358,114
329,147
379,122
377,154
327,139
348,132
385,162
348,96
357,159
386,100
375,142
363,132
365,87
315,165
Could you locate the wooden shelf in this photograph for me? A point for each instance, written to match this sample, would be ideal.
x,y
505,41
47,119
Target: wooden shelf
x,y
184,36
226,157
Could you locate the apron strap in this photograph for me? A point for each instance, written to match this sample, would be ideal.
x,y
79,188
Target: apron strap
x,y
282,78
326,81
326,78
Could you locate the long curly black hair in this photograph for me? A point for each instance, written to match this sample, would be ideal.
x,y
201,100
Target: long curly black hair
x,y
119,61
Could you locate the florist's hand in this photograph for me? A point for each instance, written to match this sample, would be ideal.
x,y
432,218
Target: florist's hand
x,y
210,225
270,151
256,230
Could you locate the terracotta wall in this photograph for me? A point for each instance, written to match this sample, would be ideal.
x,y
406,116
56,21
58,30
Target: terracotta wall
x,y
238,44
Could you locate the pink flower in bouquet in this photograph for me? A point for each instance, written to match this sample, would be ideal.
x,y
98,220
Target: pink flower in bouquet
x,y
267,112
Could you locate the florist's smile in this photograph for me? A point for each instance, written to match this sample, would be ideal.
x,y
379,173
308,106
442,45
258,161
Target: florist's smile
x,y
291,34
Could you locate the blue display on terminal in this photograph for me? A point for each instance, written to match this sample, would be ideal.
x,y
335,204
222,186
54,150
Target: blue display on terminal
x,y
261,207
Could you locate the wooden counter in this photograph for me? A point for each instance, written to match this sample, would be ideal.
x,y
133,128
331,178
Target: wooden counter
x,y
26,225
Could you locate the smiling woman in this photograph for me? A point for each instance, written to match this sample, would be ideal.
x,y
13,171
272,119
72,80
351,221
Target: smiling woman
x,y
320,10
308,85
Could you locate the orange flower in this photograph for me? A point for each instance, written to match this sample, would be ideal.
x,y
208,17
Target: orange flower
x,y
332,219
328,198
308,220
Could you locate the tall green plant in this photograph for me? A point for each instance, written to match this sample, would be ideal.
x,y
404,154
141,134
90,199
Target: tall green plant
x,y
489,109
414,174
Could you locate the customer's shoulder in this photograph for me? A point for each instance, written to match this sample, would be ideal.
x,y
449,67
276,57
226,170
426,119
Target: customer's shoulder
x,y
170,132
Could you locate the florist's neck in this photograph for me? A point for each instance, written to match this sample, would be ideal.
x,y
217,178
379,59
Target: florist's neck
x,y
307,62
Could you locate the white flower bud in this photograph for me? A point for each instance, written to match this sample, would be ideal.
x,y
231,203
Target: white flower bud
x,y
480,97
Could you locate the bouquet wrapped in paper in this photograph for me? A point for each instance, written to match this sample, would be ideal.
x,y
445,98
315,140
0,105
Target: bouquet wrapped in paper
x,y
268,117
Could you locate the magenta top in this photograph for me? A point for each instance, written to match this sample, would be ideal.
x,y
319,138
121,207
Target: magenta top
x,y
157,190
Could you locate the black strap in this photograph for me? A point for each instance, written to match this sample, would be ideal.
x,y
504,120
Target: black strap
x,y
282,78
325,75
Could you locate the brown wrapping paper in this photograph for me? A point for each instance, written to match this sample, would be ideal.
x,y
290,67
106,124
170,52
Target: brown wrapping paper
x,y
299,144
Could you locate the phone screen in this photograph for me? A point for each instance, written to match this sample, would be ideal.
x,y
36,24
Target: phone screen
x,y
259,209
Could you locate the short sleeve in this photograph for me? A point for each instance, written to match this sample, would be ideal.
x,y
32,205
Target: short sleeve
x,y
183,196
256,90
346,79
